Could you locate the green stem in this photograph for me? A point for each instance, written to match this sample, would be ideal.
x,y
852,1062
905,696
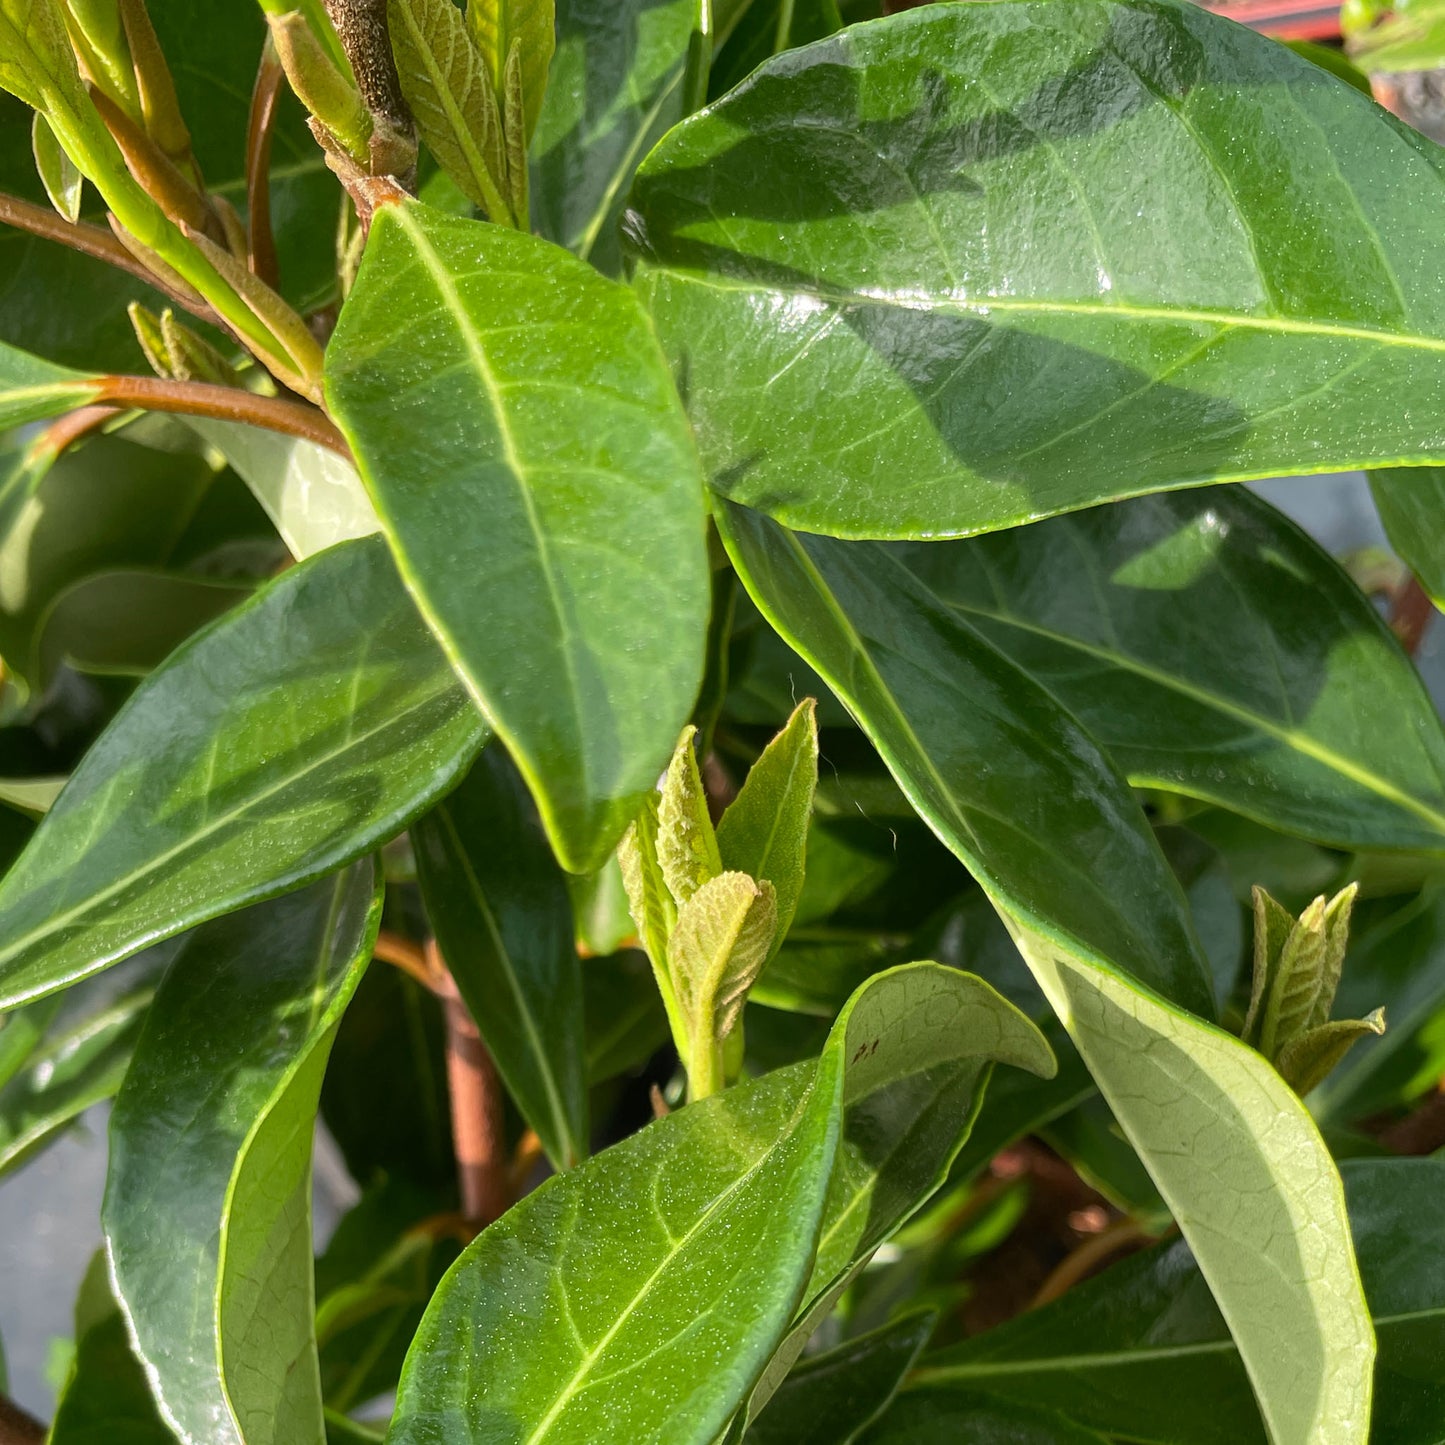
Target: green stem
x,y
705,1075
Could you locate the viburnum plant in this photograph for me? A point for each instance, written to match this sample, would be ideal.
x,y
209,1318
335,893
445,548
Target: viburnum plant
x,y
623,601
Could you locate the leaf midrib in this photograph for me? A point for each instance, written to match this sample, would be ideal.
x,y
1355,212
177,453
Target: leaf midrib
x,y
920,300
1290,737
220,820
573,1386
471,339
1120,1358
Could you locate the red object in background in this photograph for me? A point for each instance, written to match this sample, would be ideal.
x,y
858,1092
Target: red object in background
x,y
1283,19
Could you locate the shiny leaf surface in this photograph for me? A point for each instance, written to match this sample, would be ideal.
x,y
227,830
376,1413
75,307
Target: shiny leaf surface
x,y
616,86
1214,651
1411,503
1143,1352
1201,313
207,1210
709,1270
544,502
32,389
502,914
1229,1146
830,1399
298,732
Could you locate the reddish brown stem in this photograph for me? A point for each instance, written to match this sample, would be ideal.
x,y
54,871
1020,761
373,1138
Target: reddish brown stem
x,y
17,1427
72,427
1410,612
225,403
1123,1234
93,241
410,957
479,1136
265,98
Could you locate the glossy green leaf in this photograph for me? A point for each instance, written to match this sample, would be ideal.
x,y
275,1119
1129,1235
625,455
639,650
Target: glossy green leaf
x,y
313,496
874,343
551,526
1142,1351
500,908
62,181
1216,651
617,85
626,1023
293,735
764,831
1411,503
107,1400
762,29
392,1123
76,1061
831,1399
709,1220
1228,1144
32,389
207,1209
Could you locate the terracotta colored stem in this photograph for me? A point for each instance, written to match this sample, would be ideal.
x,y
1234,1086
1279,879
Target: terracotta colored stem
x,y
17,1427
72,427
1410,612
225,403
1087,1257
260,240
478,1123
93,241
402,953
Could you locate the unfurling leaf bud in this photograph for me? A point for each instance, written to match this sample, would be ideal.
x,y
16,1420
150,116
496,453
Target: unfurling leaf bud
x,y
330,95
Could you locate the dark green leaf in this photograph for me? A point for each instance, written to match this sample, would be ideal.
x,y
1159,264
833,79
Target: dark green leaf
x,y
208,1199
831,1399
78,1060
391,1123
708,1219
945,1416
1411,503
761,30
626,1023
293,735
874,342
1024,797
502,914
107,1400
1214,650
1143,1352
616,86
551,528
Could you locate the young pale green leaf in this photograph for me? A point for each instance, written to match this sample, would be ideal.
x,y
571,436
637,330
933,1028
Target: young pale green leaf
x,y
831,1399
207,1209
1231,1149
1295,984
649,900
1215,651
32,389
1273,925
617,86
709,1221
764,831
529,26
551,525
293,735
1338,913
1411,504
869,208
454,99
501,911
1309,1058
1142,1351
723,936
687,845
107,1399
36,63
63,183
